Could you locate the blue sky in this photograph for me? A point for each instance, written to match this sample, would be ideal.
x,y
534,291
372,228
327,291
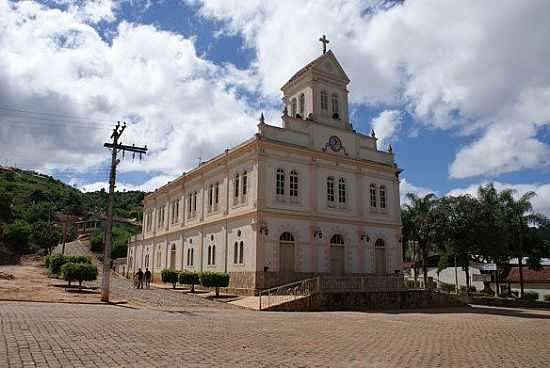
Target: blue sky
x,y
462,106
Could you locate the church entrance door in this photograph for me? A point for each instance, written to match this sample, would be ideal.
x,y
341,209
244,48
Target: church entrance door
x,y
380,256
337,255
286,258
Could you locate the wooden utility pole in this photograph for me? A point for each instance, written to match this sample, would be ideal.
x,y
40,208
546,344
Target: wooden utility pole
x,y
115,146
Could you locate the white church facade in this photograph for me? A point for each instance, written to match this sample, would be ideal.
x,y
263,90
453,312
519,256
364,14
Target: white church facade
x,y
313,197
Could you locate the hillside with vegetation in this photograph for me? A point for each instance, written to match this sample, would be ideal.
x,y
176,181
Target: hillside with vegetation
x,y
33,206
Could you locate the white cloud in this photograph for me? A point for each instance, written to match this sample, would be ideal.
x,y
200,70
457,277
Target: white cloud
x,y
541,202
406,187
176,102
386,125
476,66
148,186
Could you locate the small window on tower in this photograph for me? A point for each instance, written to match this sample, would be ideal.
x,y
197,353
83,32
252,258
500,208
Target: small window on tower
x,y
324,100
302,104
293,107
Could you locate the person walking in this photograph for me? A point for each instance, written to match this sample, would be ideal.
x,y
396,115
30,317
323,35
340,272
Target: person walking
x,y
139,276
147,278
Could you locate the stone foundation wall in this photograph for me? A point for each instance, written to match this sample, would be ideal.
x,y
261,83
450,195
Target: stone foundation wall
x,y
407,299
390,300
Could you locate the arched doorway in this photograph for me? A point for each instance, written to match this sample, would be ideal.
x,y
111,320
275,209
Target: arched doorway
x,y
337,255
380,256
286,258
173,257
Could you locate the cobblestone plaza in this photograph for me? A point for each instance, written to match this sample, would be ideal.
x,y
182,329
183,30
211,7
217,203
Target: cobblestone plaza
x,y
213,335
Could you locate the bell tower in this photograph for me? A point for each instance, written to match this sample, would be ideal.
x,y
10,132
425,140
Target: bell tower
x,y
318,91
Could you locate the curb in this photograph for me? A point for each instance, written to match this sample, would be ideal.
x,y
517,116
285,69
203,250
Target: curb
x,y
120,302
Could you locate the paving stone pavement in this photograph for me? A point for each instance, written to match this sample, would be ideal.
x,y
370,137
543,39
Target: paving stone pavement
x,y
66,335
122,289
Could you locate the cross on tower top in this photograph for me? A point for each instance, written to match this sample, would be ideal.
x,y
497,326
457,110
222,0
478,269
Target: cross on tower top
x,y
324,41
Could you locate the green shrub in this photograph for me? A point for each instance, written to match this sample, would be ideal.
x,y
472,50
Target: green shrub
x,y
531,295
47,261
56,261
78,272
472,289
169,276
214,279
446,287
547,298
189,278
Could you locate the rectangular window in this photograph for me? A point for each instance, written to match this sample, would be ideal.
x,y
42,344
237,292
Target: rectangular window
x,y
280,182
293,190
382,197
236,191
342,191
324,100
210,195
194,202
245,183
330,189
373,195
217,193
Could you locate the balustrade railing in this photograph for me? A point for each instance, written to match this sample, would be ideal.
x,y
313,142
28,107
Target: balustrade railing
x,y
329,284
288,292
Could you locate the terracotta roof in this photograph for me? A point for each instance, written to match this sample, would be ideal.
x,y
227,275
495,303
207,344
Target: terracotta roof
x,y
306,68
529,275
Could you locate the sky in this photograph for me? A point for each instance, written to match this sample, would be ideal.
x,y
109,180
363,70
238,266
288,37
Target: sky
x,y
460,89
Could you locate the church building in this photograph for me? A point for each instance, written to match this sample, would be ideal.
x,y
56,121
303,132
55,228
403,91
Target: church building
x,y
312,197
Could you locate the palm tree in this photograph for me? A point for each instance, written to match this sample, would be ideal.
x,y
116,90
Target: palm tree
x,y
420,213
518,214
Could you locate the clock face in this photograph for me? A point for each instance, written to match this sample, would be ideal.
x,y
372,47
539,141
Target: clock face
x,y
335,143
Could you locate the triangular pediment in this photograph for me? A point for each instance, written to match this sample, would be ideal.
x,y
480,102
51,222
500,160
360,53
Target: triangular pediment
x,y
325,64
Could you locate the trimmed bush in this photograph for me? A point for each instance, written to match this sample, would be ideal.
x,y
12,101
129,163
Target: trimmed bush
x,y
547,298
189,278
214,279
531,295
78,272
472,289
447,287
169,277
56,261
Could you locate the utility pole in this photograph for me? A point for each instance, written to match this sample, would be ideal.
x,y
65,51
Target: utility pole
x,y
115,146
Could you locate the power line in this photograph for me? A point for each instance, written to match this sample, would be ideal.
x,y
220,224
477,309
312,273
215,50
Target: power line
x,y
52,123
71,117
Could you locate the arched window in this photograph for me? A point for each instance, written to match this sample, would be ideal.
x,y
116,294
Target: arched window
x,y
245,183
293,184
209,254
194,202
241,252
236,192
302,104
373,195
213,260
192,256
293,107
280,182
324,100
236,253
210,195
379,243
287,236
335,107
330,189
337,239
382,196
217,193
173,257
189,257
342,190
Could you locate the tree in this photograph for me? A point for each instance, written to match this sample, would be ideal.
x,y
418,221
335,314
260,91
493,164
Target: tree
x,y
422,221
5,208
522,240
16,236
46,236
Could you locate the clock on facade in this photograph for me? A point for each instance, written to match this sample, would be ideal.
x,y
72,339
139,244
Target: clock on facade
x,y
335,143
